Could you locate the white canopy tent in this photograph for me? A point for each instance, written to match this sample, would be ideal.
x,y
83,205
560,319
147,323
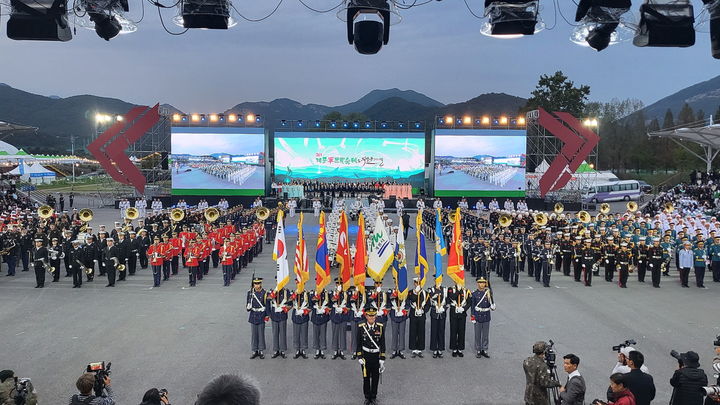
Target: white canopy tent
x,y
35,174
708,137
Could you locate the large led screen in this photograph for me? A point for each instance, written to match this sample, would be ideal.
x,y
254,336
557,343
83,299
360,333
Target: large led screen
x,y
479,162
350,157
217,161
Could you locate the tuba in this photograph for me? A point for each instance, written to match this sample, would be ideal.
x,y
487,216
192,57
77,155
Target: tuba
x,y
632,206
211,214
604,208
177,214
584,217
505,220
540,219
558,208
132,213
85,214
668,207
45,211
262,213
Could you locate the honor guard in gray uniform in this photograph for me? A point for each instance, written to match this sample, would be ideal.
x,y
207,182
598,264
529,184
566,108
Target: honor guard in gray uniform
x,y
419,305
319,317
279,304
301,319
338,318
481,303
370,351
257,306
398,319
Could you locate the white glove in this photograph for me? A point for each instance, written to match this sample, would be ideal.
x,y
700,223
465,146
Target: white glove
x,y
382,366
459,310
651,265
278,309
492,307
361,361
70,266
473,321
249,307
607,261
441,310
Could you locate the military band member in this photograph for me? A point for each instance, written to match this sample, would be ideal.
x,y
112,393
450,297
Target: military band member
x,y
256,306
641,252
55,254
577,258
588,262
481,303
419,301
714,253
40,263
609,252
227,253
438,314
668,247
123,251
370,351
338,318
279,304
67,247
133,252
546,258
515,263
700,263
458,297
566,248
155,251
77,268
319,317
398,317
175,250
623,262
301,318
192,260
110,261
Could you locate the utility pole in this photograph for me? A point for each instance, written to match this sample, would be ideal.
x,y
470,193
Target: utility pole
x,y
72,152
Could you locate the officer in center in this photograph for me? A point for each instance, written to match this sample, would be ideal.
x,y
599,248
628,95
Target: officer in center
x,y
370,351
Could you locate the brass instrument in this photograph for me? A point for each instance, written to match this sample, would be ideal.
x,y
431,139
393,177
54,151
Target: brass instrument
x,y
45,211
452,216
540,219
118,266
177,214
604,208
50,269
132,213
632,206
584,217
85,214
558,208
211,214
505,220
669,207
262,213
7,249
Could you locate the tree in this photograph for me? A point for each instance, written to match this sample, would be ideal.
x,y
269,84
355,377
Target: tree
x,y
700,116
654,125
716,117
686,115
668,121
558,93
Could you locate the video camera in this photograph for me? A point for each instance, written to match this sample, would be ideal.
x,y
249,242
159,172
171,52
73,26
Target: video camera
x,y
717,341
550,355
676,355
101,372
163,392
23,388
623,345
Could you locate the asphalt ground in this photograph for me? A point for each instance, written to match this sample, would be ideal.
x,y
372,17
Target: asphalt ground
x,y
179,338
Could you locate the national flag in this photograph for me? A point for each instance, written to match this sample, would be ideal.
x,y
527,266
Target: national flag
x,y
440,249
421,264
360,256
456,269
342,255
322,263
380,254
400,265
280,254
302,275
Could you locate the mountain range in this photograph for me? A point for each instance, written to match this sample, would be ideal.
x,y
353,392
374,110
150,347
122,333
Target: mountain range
x,y
701,96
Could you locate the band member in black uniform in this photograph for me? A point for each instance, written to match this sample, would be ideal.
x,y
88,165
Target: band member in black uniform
x,y
370,351
90,256
145,243
110,259
459,299
419,301
75,256
133,252
566,248
26,244
123,251
54,255
39,259
588,262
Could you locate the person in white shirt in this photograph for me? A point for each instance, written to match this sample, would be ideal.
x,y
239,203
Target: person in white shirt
x,y
621,365
156,206
399,205
292,205
420,204
123,205
381,205
437,204
141,206
509,206
257,203
479,206
316,207
463,204
494,205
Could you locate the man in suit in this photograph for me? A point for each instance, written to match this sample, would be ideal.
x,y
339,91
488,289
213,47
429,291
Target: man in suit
x,y
639,383
573,392
406,224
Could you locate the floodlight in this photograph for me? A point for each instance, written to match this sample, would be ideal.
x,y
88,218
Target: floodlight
x,y
39,20
600,24
511,18
368,23
107,18
713,8
666,23
205,14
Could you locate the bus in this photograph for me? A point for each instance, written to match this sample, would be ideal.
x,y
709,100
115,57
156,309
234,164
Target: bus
x,y
614,191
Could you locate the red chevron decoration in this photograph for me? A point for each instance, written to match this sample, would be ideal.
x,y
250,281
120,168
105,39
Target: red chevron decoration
x,y
578,141
110,146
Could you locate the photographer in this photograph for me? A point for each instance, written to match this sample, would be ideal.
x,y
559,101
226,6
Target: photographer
x,y
573,393
715,399
622,365
155,396
14,391
688,380
85,385
537,377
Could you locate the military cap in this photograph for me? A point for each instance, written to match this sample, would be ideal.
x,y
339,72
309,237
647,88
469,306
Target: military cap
x,y
370,310
481,280
337,280
39,240
257,280
624,244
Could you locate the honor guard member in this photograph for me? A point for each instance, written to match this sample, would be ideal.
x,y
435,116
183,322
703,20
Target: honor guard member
x,y
256,306
623,261
338,318
588,262
714,252
481,303
123,251
438,314
609,252
655,253
577,258
91,255
641,252
419,305
566,248
167,252
370,351
356,305
319,317
40,263
537,377
156,260
227,251
458,297
380,300
398,317
110,261
192,260
279,304
301,318
700,262
668,246
515,263
175,244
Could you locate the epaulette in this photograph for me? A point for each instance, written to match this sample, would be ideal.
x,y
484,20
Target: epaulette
x,y
361,324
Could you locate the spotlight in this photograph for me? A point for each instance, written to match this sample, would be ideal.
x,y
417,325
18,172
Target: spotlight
x,y
503,120
477,122
383,124
250,118
221,117
317,123
333,124
449,120
666,23
195,117
345,124
299,123
283,123
184,118
467,120
418,125
486,120
240,118
202,117
401,125
39,20
599,23
106,18
232,117
356,124
521,121
207,14
368,124
368,24
176,117
713,8
511,18
213,117
458,121
495,122
258,118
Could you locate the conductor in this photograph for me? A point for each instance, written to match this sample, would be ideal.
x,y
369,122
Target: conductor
x,y
370,351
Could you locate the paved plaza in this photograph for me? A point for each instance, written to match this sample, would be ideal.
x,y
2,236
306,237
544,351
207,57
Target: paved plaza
x,y
178,338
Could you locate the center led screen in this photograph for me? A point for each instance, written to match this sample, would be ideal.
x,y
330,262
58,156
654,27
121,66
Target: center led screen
x,y
350,156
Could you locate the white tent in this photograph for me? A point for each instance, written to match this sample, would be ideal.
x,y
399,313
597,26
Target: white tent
x,y
35,174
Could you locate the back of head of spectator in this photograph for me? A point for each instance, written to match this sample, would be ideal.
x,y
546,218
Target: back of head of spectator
x,y
229,389
635,359
85,384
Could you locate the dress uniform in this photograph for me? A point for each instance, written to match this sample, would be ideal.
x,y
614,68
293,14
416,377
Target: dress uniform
x,y
623,260
256,306
609,252
419,305
76,265
227,251
641,251
655,256
438,314
110,261
301,319
459,303
370,351
398,318
279,304
379,300
588,262
546,257
192,260
356,305
566,248
481,303
39,259
156,260
700,263
319,317
338,318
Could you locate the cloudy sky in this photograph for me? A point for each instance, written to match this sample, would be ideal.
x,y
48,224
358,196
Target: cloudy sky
x,y
437,50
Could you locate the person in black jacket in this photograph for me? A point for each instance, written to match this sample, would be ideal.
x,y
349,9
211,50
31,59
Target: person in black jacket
x,y
123,251
688,380
639,383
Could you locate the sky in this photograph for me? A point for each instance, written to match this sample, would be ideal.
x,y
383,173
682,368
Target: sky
x,y
437,50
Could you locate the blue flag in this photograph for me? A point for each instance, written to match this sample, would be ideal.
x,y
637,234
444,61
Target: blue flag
x,y
400,265
440,248
421,263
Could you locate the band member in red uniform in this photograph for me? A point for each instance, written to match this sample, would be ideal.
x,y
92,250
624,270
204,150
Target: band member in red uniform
x,y
175,252
156,256
226,259
192,259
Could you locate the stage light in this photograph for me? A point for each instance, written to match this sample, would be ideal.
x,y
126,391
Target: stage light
x,y
317,123
417,125
221,117
383,124
213,117
486,120
458,121
39,20
250,118
511,18
591,165
503,120
521,120
195,117
401,125
258,118
513,122
106,17
713,9
299,123
333,124
467,120
207,14
283,123
202,117
356,124
368,124
368,23
240,118
477,121
495,122
449,120
591,122
600,24
345,124
232,117
176,117
119,118
666,23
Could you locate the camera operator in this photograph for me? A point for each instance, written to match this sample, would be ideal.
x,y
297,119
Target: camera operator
x,y
155,396
85,385
14,391
640,384
229,389
573,393
688,380
622,365
537,377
